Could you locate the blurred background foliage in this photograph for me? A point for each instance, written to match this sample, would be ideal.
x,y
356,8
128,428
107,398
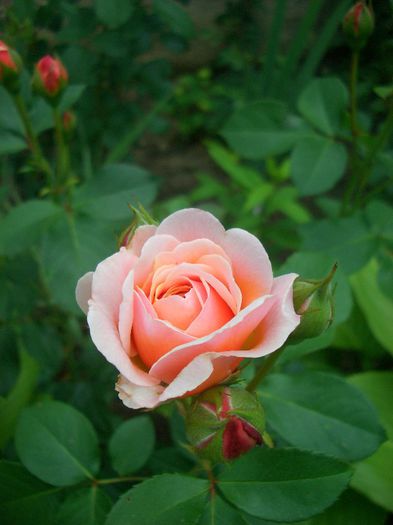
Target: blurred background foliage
x,y
243,108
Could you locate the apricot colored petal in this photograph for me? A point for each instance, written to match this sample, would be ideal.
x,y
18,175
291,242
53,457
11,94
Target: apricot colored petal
x,y
135,396
250,264
214,314
190,251
232,336
126,313
83,291
105,336
153,337
190,224
141,235
152,247
179,311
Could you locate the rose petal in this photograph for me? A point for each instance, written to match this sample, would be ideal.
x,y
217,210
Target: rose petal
x,y
214,314
134,396
179,311
83,291
141,235
250,264
231,336
152,336
190,251
126,313
152,247
190,224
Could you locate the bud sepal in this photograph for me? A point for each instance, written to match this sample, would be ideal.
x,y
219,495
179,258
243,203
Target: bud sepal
x,y
358,25
225,422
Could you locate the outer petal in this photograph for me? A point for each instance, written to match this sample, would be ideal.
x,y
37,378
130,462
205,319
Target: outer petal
x,y
190,224
250,264
103,314
134,396
83,291
231,336
141,235
126,312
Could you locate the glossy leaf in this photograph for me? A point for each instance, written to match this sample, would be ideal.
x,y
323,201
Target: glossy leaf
x,y
25,500
132,444
283,484
162,500
374,477
375,305
113,188
57,443
11,143
86,507
378,387
322,413
323,103
19,396
317,164
24,224
113,13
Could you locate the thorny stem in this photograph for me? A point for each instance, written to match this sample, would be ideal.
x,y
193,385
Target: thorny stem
x,y
264,369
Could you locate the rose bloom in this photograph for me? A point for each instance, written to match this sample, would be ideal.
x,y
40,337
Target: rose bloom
x,y
179,308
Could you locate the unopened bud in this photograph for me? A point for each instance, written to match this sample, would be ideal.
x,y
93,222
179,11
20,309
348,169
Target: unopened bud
x,y
50,77
10,67
358,24
313,300
69,121
225,422
140,217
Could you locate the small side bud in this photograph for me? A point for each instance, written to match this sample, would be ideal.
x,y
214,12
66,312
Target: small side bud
x,y
50,78
358,25
313,300
225,422
69,122
10,67
140,216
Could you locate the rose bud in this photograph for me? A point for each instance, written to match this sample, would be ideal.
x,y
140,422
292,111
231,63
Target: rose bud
x,y
10,67
180,306
224,423
69,121
313,300
50,77
358,24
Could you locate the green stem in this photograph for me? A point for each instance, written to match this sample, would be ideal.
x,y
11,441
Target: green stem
x,y
122,479
32,141
353,110
62,161
264,369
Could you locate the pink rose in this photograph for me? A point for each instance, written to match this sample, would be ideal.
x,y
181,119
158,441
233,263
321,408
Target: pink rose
x,y
178,309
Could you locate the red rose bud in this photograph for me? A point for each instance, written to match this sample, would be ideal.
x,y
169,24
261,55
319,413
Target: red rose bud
x,y
69,121
225,422
313,300
358,24
10,67
50,77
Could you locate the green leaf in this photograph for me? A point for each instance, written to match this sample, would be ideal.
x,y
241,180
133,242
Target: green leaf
x,y
57,444
342,424
24,224
107,195
374,477
244,176
380,217
169,498
218,512
71,96
86,507
317,164
351,509
283,484
113,13
9,117
285,200
375,305
314,265
175,17
23,498
378,387
132,444
82,240
349,241
323,103
19,396
308,346
257,131
11,143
